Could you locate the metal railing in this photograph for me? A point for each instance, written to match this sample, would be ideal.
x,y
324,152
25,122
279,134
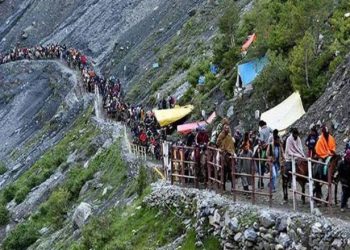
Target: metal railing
x,y
255,174
139,151
215,169
311,182
183,168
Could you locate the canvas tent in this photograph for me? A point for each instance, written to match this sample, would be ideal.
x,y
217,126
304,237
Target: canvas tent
x,y
247,72
187,128
169,116
284,114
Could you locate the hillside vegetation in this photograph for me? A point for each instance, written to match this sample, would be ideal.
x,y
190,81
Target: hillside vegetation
x,y
304,40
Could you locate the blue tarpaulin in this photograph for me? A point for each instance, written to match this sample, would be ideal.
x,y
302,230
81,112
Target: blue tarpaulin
x,y
214,69
201,80
250,70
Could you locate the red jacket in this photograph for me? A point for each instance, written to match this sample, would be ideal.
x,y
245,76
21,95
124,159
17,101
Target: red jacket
x,y
83,59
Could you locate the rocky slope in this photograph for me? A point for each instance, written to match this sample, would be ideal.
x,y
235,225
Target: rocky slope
x,y
106,30
332,107
65,167
38,102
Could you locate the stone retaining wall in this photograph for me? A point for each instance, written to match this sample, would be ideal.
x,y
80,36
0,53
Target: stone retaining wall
x,y
242,226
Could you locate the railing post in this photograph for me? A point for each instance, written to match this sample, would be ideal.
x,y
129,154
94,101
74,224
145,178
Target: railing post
x,y
233,172
196,166
182,165
329,188
253,171
216,171
222,173
294,183
209,159
172,167
311,184
270,186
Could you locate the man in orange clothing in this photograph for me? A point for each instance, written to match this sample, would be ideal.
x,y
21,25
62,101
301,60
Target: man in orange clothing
x,y
325,145
325,149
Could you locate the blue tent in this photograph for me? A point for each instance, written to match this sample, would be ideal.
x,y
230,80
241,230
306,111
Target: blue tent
x,y
250,70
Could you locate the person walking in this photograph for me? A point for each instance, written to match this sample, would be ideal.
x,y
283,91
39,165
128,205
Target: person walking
x,y
226,144
244,165
294,148
275,154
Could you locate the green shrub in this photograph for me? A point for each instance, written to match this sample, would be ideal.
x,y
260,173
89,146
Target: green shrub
x,y
3,168
21,194
187,97
142,180
228,88
21,237
4,215
9,193
182,63
77,178
57,206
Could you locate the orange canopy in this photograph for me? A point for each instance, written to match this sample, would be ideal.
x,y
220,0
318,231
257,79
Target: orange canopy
x,y
250,40
324,148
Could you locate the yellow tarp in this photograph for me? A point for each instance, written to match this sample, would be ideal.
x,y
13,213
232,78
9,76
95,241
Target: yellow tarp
x,y
169,116
284,114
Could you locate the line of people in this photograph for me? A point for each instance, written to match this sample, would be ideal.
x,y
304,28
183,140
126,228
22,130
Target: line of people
x,y
145,129
265,144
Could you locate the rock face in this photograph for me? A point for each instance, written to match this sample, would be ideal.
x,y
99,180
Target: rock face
x,y
240,226
32,96
332,107
81,214
121,28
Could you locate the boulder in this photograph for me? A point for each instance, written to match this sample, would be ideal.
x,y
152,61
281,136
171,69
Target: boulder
x,y
250,235
267,220
192,12
44,231
337,244
237,237
284,240
233,224
316,228
214,219
24,35
230,112
282,225
81,214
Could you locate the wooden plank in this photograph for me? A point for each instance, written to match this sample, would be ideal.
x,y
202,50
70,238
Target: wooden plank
x,y
214,164
184,176
306,195
250,158
190,162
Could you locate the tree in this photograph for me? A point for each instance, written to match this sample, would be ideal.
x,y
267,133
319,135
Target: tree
x,y
273,79
228,22
301,58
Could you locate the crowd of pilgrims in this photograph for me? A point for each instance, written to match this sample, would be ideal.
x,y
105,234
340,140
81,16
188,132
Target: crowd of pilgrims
x,y
145,130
